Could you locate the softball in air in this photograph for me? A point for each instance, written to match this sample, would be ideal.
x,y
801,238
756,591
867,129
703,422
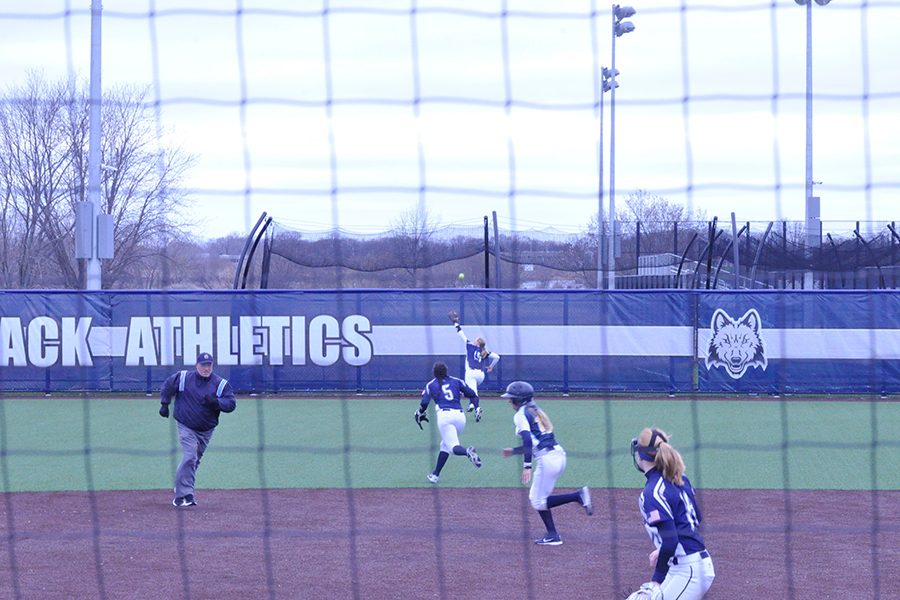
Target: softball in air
x,y
462,276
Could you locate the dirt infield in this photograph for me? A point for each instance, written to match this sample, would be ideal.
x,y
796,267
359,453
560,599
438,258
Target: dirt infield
x,y
430,543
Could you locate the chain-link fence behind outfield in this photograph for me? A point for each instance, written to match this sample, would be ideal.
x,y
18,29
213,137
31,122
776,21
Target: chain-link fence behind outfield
x,y
685,255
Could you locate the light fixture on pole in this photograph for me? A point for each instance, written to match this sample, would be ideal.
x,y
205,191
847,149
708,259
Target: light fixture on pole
x,y
811,204
619,28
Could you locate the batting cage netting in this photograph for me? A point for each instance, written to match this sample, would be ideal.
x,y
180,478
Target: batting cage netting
x,y
239,238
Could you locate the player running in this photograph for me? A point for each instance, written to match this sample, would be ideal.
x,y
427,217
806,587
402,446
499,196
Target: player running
x,y
681,563
479,360
445,390
200,396
539,445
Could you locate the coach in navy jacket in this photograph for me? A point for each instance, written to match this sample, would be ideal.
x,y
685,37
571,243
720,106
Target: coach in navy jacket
x,y
200,395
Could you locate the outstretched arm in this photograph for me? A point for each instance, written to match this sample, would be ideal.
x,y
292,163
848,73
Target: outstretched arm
x,y
454,318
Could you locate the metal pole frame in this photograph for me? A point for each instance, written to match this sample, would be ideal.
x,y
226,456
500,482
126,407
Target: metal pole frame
x,y
237,270
874,258
722,258
612,160
601,264
496,250
759,250
809,112
250,254
487,254
93,275
837,258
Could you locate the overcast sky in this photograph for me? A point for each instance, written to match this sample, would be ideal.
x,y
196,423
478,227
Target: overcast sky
x,y
330,134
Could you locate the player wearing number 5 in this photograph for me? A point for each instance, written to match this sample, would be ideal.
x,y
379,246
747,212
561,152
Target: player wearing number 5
x,y
200,395
682,567
451,420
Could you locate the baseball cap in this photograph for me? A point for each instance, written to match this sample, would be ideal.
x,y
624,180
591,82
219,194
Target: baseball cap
x,y
204,357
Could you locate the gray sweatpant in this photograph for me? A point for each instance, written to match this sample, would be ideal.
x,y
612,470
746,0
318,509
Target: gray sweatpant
x,y
193,445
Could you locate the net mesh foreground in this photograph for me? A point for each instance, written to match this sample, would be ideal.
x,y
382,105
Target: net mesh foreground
x,y
410,543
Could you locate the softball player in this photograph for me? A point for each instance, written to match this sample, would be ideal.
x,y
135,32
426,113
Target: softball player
x,y
540,445
682,566
451,420
479,360
200,395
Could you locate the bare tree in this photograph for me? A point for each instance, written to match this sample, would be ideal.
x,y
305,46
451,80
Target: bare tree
x,y
44,171
33,159
657,213
411,235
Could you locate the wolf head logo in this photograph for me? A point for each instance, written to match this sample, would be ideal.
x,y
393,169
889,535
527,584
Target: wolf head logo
x,y
736,345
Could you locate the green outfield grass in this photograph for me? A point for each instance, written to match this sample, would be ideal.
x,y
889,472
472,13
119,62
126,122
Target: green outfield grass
x,y
53,444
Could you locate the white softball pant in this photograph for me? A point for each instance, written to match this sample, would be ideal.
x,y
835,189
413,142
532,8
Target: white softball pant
x,y
450,424
547,469
474,377
690,578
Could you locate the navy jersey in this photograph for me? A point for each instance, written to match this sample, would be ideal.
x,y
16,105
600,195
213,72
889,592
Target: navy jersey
x,y
190,391
446,393
531,418
473,356
474,360
663,501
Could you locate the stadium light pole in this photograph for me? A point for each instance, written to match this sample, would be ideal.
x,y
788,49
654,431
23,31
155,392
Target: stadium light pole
x,y
812,239
619,28
606,84
93,273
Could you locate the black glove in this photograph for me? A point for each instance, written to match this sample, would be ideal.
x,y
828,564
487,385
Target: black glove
x,y
211,400
164,411
420,416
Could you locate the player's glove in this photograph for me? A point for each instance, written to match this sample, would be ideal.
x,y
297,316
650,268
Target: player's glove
x,y
477,414
454,316
420,416
647,591
164,411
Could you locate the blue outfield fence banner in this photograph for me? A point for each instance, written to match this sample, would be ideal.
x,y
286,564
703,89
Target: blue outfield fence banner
x,y
387,340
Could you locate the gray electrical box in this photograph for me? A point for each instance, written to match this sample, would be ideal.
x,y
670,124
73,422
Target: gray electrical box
x,y
813,222
84,229
105,241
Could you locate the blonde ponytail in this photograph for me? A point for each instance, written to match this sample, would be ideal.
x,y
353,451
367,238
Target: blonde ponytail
x,y
546,425
670,463
665,458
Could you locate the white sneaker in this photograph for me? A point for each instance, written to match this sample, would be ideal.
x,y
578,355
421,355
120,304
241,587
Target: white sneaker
x,y
473,457
433,478
585,494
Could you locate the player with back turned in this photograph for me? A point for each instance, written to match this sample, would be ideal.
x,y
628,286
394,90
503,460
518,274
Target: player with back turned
x,y
682,567
446,392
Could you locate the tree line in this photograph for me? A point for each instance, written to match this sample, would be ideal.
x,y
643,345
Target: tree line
x,y
44,132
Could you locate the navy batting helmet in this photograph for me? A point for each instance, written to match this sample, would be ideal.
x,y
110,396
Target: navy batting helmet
x,y
519,392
